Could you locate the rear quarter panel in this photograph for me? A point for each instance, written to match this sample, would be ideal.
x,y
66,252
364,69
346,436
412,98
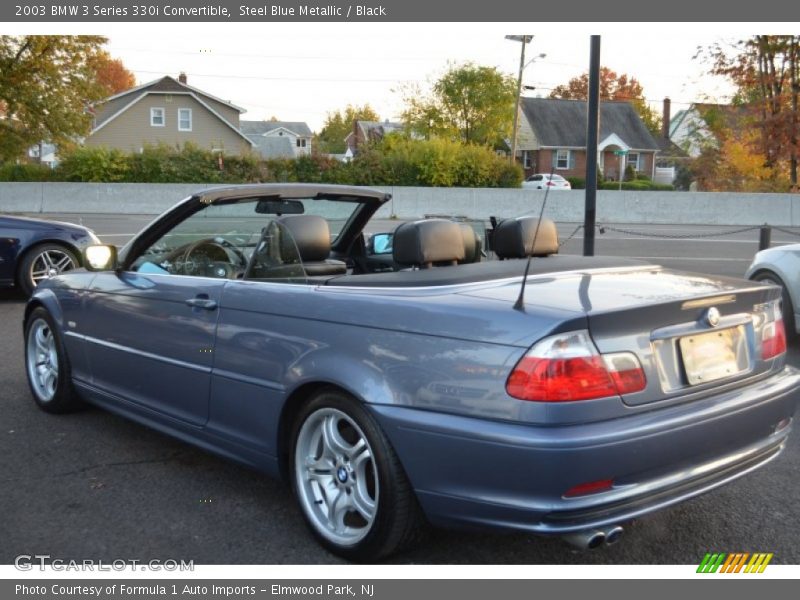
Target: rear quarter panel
x,y
434,352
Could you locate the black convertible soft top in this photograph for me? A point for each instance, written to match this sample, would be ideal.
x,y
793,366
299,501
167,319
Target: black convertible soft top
x,y
483,271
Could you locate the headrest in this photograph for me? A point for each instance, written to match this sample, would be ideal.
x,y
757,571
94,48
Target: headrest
x,y
310,233
429,241
513,238
472,244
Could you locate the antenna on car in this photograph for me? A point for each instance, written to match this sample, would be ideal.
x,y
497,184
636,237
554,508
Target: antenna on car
x,y
520,303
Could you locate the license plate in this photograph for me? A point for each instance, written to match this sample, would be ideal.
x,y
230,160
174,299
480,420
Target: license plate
x,y
714,355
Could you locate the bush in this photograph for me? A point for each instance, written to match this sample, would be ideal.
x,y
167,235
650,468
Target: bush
x,y
95,165
577,183
630,173
636,186
395,160
27,172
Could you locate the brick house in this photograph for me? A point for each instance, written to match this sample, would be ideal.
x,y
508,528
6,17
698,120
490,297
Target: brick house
x,y
552,135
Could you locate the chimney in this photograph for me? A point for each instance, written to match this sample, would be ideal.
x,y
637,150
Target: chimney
x,y
665,117
182,78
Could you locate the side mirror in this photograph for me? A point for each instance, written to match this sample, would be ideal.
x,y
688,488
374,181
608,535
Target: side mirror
x,y
100,258
380,243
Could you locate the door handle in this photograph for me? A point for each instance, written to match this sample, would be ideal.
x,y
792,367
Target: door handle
x,y
200,302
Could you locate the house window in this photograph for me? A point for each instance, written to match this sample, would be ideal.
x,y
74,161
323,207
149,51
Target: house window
x,y
184,119
633,160
562,159
301,143
526,159
156,117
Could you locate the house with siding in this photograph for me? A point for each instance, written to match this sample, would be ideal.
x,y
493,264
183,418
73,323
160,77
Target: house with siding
x,y
552,135
367,131
271,138
167,111
698,127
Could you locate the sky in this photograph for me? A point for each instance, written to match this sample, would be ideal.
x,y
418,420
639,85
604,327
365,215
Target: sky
x,y
302,71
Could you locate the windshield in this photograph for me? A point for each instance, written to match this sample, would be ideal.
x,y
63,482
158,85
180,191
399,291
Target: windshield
x,y
233,230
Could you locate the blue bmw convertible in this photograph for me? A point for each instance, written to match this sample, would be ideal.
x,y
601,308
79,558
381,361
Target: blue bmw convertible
x,y
394,384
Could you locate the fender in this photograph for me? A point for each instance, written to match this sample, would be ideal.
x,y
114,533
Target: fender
x,y
44,296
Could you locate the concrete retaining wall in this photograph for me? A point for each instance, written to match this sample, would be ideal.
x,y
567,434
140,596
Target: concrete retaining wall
x,y
409,202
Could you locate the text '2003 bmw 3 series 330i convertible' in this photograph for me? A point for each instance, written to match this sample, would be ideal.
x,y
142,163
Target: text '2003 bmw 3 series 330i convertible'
x,y
404,378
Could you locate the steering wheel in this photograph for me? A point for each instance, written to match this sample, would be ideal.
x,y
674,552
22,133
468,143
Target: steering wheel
x,y
212,257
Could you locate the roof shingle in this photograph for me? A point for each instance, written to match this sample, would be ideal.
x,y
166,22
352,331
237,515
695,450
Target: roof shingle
x,y
563,123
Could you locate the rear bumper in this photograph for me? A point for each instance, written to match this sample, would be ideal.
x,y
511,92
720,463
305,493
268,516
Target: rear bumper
x,y
471,472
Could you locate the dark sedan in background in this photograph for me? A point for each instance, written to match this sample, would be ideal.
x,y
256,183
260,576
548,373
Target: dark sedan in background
x,y
33,249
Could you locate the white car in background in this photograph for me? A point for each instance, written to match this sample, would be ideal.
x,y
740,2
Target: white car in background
x,y
542,181
781,266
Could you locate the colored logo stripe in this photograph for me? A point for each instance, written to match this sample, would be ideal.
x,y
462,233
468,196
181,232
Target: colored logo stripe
x,y
735,562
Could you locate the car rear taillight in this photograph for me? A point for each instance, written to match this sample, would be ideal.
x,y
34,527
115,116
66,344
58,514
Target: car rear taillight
x,y
773,333
773,339
567,367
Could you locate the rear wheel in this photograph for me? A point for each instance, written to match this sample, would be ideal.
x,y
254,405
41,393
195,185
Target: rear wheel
x,y
349,483
47,366
786,301
42,262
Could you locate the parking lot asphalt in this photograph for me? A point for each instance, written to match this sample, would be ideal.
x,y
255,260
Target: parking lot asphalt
x,y
91,485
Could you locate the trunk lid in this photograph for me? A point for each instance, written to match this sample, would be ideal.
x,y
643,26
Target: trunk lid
x,y
663,317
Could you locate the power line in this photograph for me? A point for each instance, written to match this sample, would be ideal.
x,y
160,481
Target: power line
x,y
264,78
201,52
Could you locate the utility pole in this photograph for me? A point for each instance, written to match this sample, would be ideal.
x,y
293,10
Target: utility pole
x,y
524,40
593,125
795,84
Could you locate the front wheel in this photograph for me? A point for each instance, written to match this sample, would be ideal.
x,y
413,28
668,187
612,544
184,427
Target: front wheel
x,y
43,262
47,366
348,480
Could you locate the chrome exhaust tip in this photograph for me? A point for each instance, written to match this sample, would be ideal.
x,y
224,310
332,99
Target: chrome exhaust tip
x,y
586,540
614,535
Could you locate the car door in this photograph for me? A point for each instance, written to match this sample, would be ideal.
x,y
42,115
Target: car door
x,y
150,329
150,339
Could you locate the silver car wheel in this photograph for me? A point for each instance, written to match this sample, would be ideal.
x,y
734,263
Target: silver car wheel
x,y
42,360
49,264
336,477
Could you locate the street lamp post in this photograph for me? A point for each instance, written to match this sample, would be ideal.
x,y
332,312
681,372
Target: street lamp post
x,y
524,40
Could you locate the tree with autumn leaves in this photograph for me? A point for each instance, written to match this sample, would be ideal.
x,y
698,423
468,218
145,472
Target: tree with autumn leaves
x,y
47,84
762,154
613,86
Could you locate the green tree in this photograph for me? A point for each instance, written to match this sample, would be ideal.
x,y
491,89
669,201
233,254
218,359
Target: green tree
x,y
338,124
46,84
470,103
613,86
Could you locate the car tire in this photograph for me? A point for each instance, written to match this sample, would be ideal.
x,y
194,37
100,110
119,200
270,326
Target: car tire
x,y
47,365
786,301
43,261
351,487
